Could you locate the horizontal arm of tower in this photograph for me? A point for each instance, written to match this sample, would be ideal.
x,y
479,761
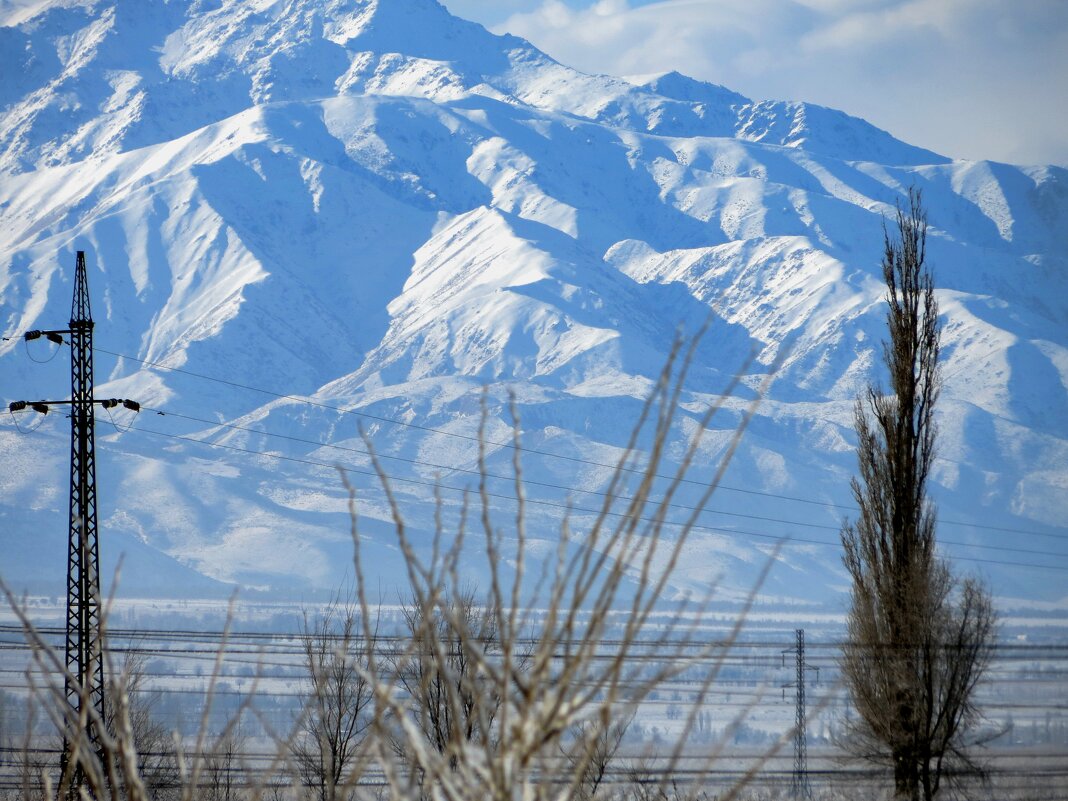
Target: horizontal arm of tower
x,y
51,336
42,406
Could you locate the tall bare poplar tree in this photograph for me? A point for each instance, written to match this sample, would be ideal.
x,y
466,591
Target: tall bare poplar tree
x,y
918,640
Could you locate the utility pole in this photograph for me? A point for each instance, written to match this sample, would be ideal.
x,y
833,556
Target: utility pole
x,y
84,683
800,785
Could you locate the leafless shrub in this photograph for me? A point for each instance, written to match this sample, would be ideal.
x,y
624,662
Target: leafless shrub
x,y
549,670
645,782
29,760
591,753
224,774
448,697
153,743
337,713
517,697
113,767
109,767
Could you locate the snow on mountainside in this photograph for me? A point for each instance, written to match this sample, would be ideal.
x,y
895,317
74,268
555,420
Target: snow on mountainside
x,y
96,77
377,207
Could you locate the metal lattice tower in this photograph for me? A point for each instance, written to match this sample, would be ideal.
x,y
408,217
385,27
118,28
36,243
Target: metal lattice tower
x,y
84,684
85,665
800,785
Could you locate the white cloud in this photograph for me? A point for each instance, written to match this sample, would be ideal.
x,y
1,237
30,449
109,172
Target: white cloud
x,y
969,78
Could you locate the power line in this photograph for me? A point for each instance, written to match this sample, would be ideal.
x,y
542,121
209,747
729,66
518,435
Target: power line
x,y
735,531
475,472
1007,650
786,540
548,454
535,451
550,485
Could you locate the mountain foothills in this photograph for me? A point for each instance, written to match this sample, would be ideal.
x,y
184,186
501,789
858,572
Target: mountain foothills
x,y
304,218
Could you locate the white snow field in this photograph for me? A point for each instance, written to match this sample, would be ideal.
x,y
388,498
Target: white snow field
x,y
312,208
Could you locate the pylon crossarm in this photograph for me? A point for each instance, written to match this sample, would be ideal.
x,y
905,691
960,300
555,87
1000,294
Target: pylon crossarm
x,y
51,336
107,403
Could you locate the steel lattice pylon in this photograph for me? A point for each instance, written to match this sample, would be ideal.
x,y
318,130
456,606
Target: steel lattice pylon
x,y
801,788
85,664
84,685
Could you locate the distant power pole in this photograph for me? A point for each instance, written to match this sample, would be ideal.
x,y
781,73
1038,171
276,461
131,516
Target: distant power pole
x,y
800,786
84,647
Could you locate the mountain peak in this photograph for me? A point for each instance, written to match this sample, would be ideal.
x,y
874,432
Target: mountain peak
x,y
125,75
677,86
382,207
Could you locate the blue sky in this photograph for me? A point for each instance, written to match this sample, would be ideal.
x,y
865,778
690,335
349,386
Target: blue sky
x,y
967,78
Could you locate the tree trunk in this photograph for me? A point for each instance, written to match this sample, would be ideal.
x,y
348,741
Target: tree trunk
x,y
906,776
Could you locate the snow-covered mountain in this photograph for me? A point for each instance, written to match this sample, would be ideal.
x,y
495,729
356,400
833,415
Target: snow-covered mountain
x,y
374,206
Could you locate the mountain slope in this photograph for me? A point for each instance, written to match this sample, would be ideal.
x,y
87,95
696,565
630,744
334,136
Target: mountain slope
x,y
378,208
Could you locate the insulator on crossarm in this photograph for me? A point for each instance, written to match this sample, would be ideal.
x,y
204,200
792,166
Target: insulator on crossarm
x,y
110,403
54,337
40,407
132,405
31,335
16,406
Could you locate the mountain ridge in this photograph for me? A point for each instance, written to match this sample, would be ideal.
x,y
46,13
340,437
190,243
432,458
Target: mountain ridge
x,y
232,50
397,233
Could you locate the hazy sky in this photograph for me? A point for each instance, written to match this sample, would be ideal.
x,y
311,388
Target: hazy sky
x,y
978,79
